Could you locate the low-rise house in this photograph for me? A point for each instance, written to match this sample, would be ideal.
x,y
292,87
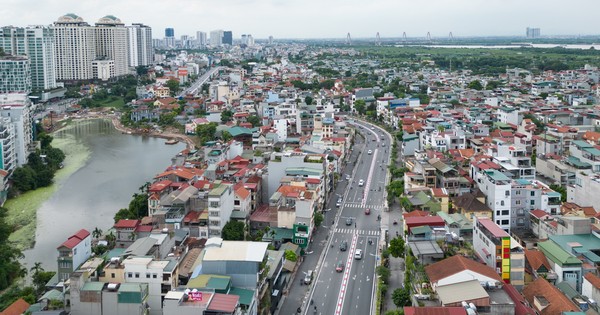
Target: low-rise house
x,y
457,269
566,266
73,252
537,266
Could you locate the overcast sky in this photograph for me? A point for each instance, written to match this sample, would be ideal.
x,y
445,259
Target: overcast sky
x,y
324,18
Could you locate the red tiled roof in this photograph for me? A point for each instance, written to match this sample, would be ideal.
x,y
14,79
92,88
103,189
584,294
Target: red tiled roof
x,y
18,307
537,259
558,302
455,264
538,213
521,307
144,228
492,227
242,192
593,279
223,303
126,224
75,239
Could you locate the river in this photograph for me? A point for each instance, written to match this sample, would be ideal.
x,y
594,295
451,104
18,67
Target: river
x,y
105,168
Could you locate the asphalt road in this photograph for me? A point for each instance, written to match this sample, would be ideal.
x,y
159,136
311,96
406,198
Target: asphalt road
x,y
351,291
198,83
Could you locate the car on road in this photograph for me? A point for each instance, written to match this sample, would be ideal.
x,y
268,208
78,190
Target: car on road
x,y
344,246
370,152
308,277
361,183
348,221
348,177
358,254
367,211
338,203
339,267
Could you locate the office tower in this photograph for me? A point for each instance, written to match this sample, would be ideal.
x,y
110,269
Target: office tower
x,y
37,43
201,39
15,74
250,40
75,48
228,38
270,40
169,32
111,43
532,32
216,38
139,45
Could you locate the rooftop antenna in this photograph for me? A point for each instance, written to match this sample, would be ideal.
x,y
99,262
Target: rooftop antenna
x,y
377,40
348,39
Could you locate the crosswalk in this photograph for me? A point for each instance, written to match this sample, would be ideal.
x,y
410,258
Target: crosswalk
x,y
360,232
358,205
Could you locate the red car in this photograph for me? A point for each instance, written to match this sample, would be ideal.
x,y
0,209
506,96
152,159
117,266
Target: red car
x,y
339,267
367,211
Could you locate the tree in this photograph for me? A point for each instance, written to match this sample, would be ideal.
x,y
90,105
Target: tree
x,y
10,268
492,85
141,70
226,136
308,100
40,277
394,312
124,214
560,189
406,204
475,85
401,297
97,233
254,120
360,106
206,132
233,231
226,116
397,247
383,273
138,206
318,219
173,85
290,255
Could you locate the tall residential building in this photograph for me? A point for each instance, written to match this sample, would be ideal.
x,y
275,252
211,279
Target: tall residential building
x,y
532,32
270,40
201,39
216,38
75,48
169,32
15,74
228,38
111,43
139,42
37,43
15,115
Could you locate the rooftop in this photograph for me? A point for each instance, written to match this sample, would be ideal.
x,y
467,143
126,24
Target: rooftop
x,y
237,251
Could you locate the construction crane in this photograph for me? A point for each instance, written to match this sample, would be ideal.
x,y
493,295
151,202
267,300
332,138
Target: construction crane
x,y
377,40
348,39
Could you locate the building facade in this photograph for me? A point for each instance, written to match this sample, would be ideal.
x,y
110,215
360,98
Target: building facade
x,y
139,45
15,74
75,48
37,43
111,43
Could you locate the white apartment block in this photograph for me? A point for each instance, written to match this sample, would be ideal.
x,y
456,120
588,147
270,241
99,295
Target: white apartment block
x,y
139,43
37,43
220,207
158,274
16,112
497,188
75,48
216,37
111,43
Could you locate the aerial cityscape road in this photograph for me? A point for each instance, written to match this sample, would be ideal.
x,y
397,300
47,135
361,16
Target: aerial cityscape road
x,y
351,290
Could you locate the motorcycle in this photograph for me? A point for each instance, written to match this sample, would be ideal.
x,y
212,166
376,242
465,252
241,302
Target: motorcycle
x,y
395,222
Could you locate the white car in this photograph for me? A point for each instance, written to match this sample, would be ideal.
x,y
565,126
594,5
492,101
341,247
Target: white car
x,y
369,152
361,183
358,254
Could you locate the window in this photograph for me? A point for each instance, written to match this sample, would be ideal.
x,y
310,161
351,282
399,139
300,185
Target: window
x,y
129,275
154,276
112,275
502,202
505,222
533,193
517,202
507,193
147,276
74,251
137,274
532,202
505,212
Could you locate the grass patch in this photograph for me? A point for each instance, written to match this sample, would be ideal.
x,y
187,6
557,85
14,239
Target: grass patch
x,y
117,102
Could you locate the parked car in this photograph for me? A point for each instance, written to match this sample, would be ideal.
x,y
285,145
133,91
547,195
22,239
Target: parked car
x,y
344,246
361,183
338,203
308,277
369,152
348,221
348,177
339,267
358,254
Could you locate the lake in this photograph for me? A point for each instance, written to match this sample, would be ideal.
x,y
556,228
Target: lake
x,y
106,169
